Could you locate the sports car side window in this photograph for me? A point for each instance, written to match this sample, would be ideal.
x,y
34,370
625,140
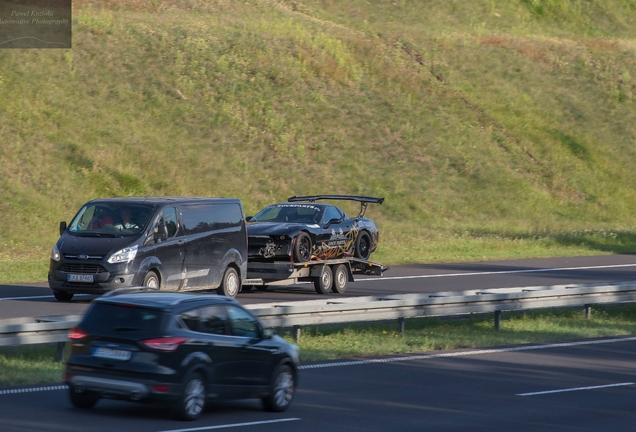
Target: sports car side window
x,y
331,213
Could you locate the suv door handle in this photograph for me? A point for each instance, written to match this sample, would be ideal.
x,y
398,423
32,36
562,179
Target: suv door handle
x,y
181,242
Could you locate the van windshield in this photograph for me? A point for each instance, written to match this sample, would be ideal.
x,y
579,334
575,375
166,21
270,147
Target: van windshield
x,y
111,219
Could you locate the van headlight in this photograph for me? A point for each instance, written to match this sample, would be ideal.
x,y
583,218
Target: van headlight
x,y
123,256
55,254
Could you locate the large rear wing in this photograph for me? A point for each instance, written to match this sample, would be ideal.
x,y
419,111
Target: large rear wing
x,y
363,200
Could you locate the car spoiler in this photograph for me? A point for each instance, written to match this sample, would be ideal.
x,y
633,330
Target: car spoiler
x,y
363,200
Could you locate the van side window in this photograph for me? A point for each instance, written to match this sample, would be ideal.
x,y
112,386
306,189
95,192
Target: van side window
x,y
168,217
199,218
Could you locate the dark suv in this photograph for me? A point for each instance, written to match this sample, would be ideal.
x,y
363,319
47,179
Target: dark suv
x,y
177,348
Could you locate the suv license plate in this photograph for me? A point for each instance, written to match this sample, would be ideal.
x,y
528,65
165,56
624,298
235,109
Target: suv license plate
x,y
111,354
80,278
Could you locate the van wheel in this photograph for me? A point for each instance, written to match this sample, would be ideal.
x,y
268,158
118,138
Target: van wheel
x,y
151,280
62,295
231,284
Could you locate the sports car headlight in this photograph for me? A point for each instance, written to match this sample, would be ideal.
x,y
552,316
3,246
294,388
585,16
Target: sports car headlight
x,y
123,256
55,254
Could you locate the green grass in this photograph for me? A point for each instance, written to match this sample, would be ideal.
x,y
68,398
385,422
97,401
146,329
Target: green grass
x,y
37,365
430,334
494,129
29,365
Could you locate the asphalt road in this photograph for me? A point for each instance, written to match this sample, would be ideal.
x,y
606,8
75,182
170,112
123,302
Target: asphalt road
x,y
585,386
36,300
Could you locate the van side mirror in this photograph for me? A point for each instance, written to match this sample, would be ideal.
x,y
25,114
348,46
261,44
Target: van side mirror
x,y
62,227
162,233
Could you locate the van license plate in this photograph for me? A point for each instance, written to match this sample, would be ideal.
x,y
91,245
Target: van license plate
x,y
80,278
112,354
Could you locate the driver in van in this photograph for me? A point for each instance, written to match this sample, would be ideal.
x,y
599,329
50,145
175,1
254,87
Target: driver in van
x,y
126,220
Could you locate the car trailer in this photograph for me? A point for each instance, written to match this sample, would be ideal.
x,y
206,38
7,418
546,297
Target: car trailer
x,y
327,275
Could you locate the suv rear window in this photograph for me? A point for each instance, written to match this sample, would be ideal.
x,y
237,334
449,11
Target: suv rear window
x,y
107,318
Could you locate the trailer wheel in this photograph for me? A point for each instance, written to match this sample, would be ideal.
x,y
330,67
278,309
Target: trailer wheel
x,y
340,278
323,282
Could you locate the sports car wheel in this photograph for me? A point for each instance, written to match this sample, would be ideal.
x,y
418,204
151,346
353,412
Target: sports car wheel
x,y
340,278
302,248
324,281
363,246
231,284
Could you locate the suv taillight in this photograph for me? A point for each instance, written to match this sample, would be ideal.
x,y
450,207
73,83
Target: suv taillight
x,y
168,344
77,333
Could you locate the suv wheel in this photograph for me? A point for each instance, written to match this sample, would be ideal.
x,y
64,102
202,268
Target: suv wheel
x,y
191,402
282,390
82,399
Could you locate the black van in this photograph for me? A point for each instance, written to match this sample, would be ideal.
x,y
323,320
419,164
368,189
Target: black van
x,y
172,243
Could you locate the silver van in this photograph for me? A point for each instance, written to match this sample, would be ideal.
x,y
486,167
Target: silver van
x,y
172,243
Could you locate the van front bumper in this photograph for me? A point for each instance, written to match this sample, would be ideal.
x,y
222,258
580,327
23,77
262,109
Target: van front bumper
x,y
102,282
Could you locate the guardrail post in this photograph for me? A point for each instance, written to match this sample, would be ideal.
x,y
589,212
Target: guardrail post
x,y
588,311
401,326
297,333
60,351
497,320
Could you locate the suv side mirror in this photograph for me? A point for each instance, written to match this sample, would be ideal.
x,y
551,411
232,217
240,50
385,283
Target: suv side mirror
x,y
248,218
268,333
62,227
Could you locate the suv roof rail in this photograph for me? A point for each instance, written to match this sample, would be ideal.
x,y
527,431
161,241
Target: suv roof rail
x,y
128,290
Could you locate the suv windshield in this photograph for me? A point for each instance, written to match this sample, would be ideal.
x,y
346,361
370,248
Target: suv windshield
x,y
132,320
115,219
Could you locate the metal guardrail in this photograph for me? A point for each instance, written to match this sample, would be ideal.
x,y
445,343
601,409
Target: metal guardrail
x,y
25,331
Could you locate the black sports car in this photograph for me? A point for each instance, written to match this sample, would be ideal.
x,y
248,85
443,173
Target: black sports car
x,y
301,230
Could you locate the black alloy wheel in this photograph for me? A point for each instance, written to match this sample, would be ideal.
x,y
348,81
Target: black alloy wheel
x,y
302,247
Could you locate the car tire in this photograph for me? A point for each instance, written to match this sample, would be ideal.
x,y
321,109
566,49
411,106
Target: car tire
x,y
323,283
84,399
340,279
363,246
302,247
151,280
231,283
62,295
282,390
192,400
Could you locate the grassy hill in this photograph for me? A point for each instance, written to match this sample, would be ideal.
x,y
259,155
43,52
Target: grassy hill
x,y
494,129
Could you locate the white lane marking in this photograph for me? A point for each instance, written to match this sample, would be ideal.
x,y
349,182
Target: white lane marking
x,y
395,359
542,270
575,389
463,353
232,425
37,297
33,389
